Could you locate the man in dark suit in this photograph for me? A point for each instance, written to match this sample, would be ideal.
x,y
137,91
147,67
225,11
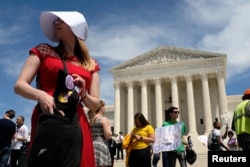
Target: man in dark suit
x,y
7,131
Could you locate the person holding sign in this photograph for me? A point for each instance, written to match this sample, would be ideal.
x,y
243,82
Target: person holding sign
x,y
169,157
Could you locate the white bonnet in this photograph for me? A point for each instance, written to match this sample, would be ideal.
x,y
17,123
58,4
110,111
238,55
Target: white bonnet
x,y
74,19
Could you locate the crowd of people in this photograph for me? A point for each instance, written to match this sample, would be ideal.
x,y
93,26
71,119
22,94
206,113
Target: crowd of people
x,y
67,80
239,135
7,131
12,138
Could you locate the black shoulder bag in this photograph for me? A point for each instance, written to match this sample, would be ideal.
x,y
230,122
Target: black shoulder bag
x,y
66,95
58,138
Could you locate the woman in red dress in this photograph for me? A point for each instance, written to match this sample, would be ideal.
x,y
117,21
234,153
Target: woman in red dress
x,y
69,29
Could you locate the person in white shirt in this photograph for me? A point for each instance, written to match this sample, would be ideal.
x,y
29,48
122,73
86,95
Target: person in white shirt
x,y
119,140
20,136
218,144
232,143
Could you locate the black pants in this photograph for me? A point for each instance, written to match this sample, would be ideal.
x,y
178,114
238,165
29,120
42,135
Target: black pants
x,y
172,156
57,143
119,150
156,158
140,158
244,141
14,157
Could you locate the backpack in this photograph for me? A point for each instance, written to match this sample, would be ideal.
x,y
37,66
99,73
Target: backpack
x,y
212,143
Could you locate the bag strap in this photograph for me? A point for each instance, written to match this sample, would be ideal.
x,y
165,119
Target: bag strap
x,y
65,69
59,52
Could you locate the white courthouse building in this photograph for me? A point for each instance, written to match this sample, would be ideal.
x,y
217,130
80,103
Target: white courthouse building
x,y
192,80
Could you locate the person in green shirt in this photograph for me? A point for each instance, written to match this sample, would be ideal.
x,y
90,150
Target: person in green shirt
x,y
169,157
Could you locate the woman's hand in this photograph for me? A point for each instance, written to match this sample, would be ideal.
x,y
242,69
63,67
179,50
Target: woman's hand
x,y
47,104
80,83
135,136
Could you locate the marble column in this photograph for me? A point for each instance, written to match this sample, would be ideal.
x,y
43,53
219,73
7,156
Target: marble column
x,y
174,92
206,104
158,102
222,93
130,115
117,109
144,98
190,106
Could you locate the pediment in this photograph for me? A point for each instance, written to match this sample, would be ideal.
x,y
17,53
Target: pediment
x,y
165,55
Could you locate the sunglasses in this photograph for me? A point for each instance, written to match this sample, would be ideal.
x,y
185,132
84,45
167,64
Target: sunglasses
x,y
176,112
58,20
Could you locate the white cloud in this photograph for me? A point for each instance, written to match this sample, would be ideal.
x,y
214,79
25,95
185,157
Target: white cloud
x,y
14,28
123,42
233,40
8,34
12,62
211,13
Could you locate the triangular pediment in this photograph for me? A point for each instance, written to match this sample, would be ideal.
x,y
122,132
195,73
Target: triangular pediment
x,y
165,55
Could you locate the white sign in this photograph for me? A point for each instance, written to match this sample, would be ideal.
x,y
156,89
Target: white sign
x,y
203,139
167,138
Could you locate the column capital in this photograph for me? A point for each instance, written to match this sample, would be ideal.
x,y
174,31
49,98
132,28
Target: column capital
x,y
173,79
188,77
203,76
143,81
220,74
157,80
129,83
117,85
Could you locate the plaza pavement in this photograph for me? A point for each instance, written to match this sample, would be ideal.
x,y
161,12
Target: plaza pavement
x,y
201,161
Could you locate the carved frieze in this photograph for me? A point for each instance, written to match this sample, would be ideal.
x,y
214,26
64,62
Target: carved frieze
x,y
164,62
164,55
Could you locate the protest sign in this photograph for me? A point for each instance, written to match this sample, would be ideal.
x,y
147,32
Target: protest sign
x,y
167,138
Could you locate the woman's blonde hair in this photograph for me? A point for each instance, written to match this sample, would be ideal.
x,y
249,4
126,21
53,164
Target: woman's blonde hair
x,y
82,52
91,114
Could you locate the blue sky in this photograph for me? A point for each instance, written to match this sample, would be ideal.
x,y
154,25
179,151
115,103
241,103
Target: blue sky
x,y
120,30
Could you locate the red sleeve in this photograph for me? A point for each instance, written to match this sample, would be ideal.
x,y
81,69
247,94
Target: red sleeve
x,y
35,52
97,67
42,50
